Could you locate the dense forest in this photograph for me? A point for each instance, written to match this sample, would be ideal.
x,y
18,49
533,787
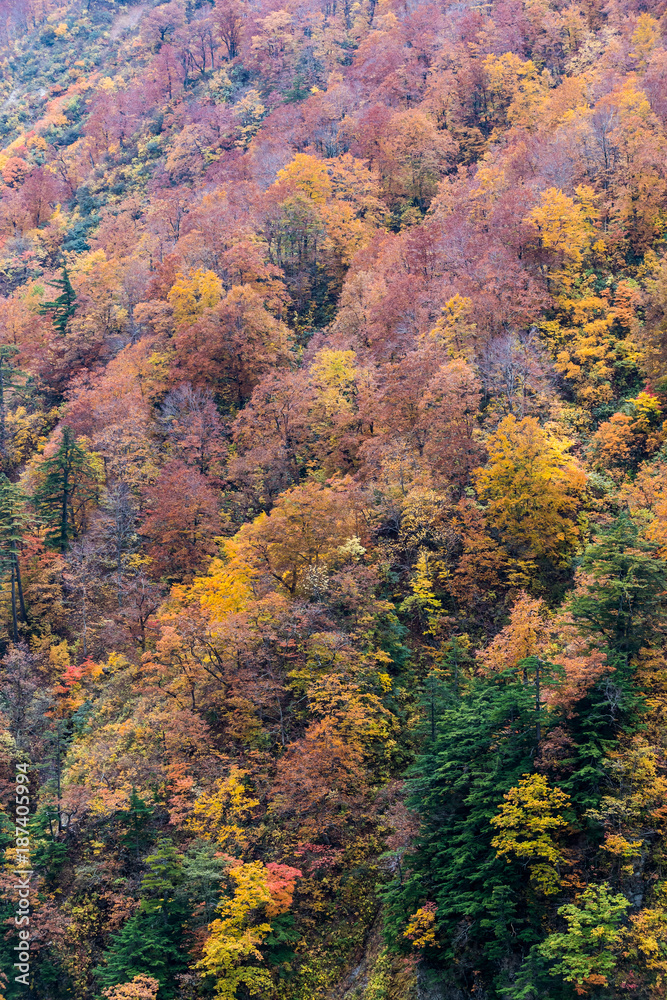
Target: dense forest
x,y
333,499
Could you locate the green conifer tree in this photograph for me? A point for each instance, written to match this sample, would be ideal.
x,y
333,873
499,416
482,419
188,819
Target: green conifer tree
x,y
11,378
62,308
13,520
151,941
68,483
624,603
483,743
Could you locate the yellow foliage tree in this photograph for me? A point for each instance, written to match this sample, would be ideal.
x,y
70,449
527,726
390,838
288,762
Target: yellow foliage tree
x,y
220,814
191,294
645,37
226,588
455,330
564,231
236,935
589,353
334,375
635,806
532,490
647,942
234,938
421,929
308,175
342,193
250,111
528,823
423,600
299,541
516,90
657,529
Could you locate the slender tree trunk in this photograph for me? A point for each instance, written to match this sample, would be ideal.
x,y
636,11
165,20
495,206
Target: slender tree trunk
x,y
63,515
84,619
14,621
58,776
20,586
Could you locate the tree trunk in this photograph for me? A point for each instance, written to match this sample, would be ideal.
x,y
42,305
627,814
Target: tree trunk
x,y
14,621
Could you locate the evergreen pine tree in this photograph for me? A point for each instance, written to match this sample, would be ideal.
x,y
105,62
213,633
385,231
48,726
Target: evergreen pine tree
x,y
134,820
13,520
625,602
62,308
483,744
68,483
144,946
151,941
10,379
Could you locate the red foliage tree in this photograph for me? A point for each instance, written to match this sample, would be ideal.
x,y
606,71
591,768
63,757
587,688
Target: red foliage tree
x,y
181,522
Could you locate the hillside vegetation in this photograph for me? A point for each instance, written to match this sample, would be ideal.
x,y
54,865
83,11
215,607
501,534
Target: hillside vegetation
x,y
333,498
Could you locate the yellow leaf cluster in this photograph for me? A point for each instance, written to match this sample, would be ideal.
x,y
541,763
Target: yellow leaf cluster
x,y
234,938
421,928
528,823
191,294
532,490
221,814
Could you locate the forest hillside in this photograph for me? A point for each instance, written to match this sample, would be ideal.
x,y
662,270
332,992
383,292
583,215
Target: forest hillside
x,y
333,499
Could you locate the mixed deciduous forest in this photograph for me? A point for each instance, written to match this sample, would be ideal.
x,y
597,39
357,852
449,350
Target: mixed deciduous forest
x,y
333,498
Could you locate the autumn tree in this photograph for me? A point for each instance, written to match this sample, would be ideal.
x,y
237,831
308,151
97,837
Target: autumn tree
x,y
192,293
272,434
482,563
195,431
81,580
232,949
513,91
526,634
224,813
528,824
139,988
142,598
532,489
647,940
431,404
415,155
316,216
302,537
232,345
339,404
564,230
322,778
632,806
181,521
228,16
